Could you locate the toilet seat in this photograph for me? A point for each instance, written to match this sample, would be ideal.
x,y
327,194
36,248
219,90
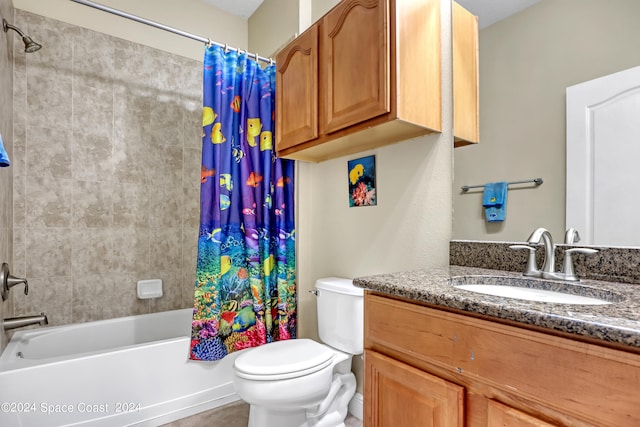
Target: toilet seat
x,y
283,360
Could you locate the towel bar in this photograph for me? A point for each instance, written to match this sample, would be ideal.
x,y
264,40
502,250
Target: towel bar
x,y
537,181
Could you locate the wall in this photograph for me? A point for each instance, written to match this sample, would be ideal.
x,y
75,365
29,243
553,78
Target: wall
x,y
526,62
266,34
106,173
6,174
320,7
193,16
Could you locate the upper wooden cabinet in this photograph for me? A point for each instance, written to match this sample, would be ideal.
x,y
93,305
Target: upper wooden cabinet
x,y
366,74
297,76
466,121
355,66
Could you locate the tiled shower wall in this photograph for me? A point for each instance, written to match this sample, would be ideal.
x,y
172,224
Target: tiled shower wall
x,y
107,138
6,119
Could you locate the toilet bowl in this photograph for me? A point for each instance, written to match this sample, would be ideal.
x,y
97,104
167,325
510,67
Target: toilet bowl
x,y
301,382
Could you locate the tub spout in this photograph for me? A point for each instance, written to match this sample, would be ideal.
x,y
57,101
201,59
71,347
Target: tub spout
x,y
19,322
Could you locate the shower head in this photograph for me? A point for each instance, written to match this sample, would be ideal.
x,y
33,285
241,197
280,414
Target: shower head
x,y
29,44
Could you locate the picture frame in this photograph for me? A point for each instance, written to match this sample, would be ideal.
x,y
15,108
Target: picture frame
x,y
362,181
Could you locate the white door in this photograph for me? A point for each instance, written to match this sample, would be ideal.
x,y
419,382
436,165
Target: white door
x,y
603,159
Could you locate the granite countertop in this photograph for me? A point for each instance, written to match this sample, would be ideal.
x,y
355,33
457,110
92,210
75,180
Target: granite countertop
x,y
618,322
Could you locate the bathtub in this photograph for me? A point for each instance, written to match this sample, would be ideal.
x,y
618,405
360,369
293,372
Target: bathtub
x,y
119,372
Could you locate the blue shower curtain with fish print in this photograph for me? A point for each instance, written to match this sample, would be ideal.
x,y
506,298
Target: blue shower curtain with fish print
x,y
245,291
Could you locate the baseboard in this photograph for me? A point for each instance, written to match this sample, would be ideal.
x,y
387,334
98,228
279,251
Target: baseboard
x,y
356,406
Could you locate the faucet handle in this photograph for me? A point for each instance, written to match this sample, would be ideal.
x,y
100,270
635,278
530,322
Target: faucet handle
x,y
567,268
7,281
571,236
531,269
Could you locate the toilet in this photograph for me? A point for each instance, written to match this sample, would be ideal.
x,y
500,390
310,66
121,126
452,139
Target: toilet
x,y
301,382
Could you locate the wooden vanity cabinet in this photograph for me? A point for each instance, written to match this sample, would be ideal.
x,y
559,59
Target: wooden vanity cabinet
x,y
400,395
421,361
366,74
466,109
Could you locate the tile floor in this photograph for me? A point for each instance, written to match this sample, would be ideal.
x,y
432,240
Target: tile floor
x,y
232,415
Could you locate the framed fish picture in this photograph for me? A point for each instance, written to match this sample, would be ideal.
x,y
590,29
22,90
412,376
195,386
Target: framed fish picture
x,y
362,181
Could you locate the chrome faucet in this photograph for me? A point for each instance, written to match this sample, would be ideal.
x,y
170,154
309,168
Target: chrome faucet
x,y
549,250
548,268
20,322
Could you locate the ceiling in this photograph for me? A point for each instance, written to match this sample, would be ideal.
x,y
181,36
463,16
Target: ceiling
x,y
241,8
491,11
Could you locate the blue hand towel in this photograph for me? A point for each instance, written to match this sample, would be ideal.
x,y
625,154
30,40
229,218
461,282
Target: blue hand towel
x,y
494,201
4,158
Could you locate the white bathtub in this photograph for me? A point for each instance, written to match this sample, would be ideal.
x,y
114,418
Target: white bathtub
x,y
128,371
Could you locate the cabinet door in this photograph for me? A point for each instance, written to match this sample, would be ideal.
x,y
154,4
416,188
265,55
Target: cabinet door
x,y
297,91
465,77
500,415
400,395
355,63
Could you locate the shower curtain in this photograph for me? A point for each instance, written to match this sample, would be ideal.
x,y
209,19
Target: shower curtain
x,y
245,291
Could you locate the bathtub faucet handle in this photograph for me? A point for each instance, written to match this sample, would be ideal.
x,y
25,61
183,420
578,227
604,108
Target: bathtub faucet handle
x,y
7,281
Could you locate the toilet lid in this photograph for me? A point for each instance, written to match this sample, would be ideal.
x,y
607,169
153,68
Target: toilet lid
x,y
283,359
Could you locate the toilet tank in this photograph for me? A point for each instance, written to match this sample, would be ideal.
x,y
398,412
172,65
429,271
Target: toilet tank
x,y
340,314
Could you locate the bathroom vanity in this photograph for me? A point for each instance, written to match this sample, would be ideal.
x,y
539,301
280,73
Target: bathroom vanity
x,y
440,356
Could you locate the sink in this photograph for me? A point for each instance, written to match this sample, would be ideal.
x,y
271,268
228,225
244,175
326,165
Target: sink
x,y
537,290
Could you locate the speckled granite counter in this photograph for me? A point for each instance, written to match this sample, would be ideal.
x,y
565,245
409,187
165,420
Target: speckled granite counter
x,y
616,323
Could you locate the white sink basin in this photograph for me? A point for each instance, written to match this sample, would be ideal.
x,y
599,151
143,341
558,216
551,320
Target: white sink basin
x,y
539,290
529,294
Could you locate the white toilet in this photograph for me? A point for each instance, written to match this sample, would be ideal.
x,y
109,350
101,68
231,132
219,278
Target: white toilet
x,y
303,383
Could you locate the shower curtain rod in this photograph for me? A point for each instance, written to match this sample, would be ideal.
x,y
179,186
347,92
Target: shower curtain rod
x,y
207,41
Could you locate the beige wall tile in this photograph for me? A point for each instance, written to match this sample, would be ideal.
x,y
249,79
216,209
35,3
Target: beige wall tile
x,y
192,125
18,158
125,301
130,205
48,202
91,251
48,252
6,198
48,99
93,107
92,204
48,151
165,166
92,297
93,55
108,162
165,250
7,116
92,157
172,290
50,295
166,122
130,248
19,201
165,207
18,265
